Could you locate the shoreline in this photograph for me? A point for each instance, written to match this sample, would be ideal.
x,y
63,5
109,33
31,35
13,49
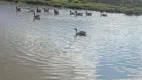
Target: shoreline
x,y
137,11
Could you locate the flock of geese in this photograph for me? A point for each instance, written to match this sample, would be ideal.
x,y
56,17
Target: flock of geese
x,y
56,12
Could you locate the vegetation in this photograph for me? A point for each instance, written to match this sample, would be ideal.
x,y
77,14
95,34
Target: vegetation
x,y
120,2
117,6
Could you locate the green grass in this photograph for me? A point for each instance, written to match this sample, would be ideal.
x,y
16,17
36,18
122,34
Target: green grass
x,y
82,4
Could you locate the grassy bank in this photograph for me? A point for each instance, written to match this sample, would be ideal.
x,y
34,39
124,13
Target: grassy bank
x,y
80,4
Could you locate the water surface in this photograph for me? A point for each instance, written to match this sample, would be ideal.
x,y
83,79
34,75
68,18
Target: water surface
x,y
46,49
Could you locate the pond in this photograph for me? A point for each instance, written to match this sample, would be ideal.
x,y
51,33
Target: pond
x,y
47,49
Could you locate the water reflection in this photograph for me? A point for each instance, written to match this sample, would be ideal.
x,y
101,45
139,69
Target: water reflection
x,y
47,49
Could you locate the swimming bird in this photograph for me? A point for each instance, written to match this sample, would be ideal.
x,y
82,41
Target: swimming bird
x,y
88,14
36,16
103,14
78,14
38,10
56,12
46,10
80,33
72,13
18,9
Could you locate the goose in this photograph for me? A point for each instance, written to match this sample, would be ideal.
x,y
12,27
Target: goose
x,y
78,14
56,12
36,16
88,14
38,10
46,10
18,9
80,33
72,13
103,14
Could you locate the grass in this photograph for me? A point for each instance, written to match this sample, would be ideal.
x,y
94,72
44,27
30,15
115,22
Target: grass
x,y
80,4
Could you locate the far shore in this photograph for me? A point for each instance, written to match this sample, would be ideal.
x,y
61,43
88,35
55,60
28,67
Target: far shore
x,y
87,6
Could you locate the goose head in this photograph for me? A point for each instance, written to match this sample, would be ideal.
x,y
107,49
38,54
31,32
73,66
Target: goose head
x,y
75,29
